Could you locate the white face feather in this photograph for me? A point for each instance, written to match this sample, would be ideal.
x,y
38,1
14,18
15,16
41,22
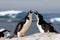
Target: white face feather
x,y
37,17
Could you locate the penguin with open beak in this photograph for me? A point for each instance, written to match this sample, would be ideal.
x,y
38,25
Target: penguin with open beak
x,y
23,25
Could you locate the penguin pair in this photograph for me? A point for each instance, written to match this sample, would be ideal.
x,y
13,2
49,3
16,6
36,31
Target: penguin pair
x,y
42,25
24,24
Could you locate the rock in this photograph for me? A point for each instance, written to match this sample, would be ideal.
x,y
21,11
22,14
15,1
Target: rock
x,y
40,36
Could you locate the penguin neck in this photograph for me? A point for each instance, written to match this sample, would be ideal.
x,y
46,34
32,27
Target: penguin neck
x,y
40,21
37,20
30,16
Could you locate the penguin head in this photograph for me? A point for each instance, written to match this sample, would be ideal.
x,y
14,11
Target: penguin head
x,y
29,15
38,15
36,12
30,11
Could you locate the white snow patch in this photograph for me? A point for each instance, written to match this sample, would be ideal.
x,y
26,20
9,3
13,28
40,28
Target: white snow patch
x,y
55,20
2,29
2,13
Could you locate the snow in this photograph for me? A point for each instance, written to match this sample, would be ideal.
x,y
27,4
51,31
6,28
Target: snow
x,y
38,36
55,20
2,13
2,29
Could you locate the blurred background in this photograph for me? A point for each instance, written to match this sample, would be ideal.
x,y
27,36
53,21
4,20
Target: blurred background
x,y
11,11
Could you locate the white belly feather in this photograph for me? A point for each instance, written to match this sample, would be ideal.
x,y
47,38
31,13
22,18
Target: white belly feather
x,y
40,28
26,26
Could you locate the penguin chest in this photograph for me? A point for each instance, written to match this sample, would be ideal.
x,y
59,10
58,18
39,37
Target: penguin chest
x,y
26,26
40,28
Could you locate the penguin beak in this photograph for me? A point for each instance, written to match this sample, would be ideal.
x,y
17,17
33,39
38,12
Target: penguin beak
x,y
36,12
30,11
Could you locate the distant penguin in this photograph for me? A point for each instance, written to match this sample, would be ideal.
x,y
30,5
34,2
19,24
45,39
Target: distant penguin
x,y
23,25
3,33
42,25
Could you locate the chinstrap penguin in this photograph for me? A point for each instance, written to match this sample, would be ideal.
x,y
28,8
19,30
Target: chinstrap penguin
x,y
42,25
23,25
